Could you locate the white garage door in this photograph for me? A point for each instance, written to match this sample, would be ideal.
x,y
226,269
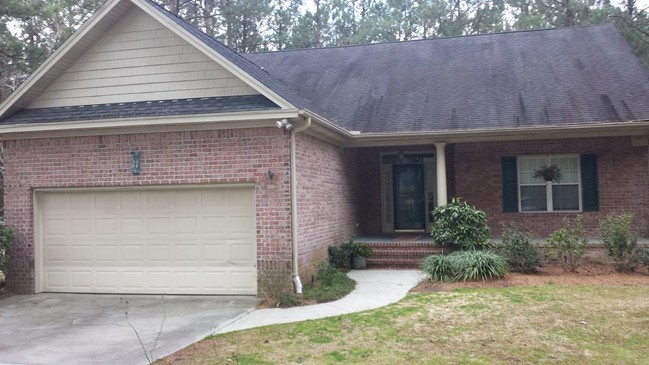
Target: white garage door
x,y
174,241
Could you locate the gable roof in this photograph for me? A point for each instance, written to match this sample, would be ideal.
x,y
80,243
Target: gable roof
x,y
506,80
105,17
560,78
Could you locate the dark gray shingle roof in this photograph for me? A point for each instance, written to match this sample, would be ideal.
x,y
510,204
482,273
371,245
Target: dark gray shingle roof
x,y
223,104
507,80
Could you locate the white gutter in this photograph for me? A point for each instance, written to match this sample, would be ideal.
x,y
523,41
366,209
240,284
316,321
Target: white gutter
x,y
296,274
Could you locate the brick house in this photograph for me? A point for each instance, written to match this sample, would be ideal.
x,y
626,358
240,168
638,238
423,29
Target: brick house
x,y
146,157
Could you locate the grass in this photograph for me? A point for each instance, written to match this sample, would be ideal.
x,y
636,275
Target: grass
x,y
337,286
533,324
332,285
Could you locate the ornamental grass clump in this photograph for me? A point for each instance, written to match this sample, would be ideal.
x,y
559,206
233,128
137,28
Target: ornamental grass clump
x,y
439,268
465,266
478,265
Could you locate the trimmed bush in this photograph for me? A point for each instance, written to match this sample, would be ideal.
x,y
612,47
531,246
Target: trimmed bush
x,y
465,266
439,268
7,235
569,243
340,256
521,254
460,225
620,240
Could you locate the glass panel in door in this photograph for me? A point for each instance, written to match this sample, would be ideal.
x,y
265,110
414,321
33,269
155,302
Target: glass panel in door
x,y
408,196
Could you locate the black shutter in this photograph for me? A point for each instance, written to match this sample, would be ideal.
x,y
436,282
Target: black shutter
x,y
510,185
589,188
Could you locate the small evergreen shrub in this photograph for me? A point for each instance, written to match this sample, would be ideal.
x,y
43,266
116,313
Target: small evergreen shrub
x,y
478,265
521,254
465,266
325,273
438,268
644,257
620,240
460,225
569,243
360,249
340,255
7,235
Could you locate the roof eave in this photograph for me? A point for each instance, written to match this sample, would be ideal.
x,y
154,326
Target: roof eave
x,y
629,128
246,119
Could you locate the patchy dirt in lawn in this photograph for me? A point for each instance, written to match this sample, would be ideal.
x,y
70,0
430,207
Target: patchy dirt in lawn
x,y
587,274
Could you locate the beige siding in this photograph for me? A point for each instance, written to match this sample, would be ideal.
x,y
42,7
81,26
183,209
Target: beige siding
x,y
138,59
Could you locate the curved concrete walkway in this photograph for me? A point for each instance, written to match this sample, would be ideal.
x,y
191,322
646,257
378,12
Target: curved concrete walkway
x,y
374,289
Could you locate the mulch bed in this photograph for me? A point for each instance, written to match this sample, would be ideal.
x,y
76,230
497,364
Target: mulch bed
x,y
587,274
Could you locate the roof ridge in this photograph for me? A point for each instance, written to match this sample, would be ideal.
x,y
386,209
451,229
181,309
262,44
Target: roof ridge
x,y
409,41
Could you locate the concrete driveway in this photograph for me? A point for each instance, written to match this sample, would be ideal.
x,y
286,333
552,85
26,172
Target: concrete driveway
x,y
104,329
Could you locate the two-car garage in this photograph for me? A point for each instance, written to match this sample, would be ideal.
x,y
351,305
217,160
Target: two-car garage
x,y
183,240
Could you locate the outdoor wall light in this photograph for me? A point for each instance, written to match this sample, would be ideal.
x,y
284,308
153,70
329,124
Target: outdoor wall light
x,y
270,174
284,124
135,157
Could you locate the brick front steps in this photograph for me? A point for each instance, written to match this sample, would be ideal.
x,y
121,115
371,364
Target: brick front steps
x,y
401,255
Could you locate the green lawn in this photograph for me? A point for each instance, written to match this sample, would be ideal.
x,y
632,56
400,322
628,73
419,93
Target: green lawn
x,y
525,324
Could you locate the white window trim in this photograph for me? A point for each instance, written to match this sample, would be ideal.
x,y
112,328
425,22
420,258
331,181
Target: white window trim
x,y
548,184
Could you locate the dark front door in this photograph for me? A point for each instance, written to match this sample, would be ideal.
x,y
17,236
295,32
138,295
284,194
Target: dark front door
x,y
409,196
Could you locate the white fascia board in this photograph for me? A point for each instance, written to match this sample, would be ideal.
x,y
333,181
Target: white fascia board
x,y
60,53
153,121
486,135
211,53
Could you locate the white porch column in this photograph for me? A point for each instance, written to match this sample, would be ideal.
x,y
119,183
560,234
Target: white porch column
x,y
440,161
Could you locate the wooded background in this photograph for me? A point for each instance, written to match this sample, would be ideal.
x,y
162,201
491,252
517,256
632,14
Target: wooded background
x,y
31,29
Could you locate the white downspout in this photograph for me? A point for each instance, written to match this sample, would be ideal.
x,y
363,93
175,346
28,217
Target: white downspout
x,y
296,274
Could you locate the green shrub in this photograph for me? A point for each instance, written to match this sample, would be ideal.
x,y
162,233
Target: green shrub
x,y
438,267
325,272
521,254
620,240
7,235
478,265
569,243
288,300
460,225
340,255
644,257
465,266
360,249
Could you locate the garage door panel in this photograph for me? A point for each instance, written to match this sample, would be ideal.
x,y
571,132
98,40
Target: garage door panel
x,y
175,241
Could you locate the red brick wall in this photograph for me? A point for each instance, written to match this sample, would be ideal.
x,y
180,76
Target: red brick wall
x,y
202,157
326,196
623,174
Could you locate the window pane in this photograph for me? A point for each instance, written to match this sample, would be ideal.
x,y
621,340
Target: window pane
x,y
527,165
533,198
565,197
568,167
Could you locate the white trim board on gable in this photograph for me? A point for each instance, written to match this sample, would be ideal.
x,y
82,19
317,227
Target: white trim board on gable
x,y
139,59
37,91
